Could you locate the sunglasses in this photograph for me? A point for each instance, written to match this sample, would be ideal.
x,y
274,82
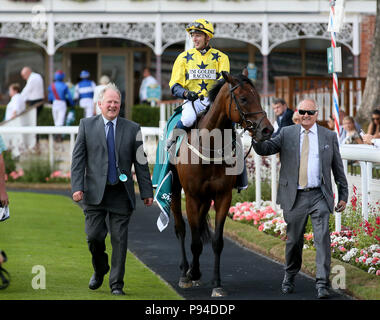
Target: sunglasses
x,y
375,119
309,112
198,25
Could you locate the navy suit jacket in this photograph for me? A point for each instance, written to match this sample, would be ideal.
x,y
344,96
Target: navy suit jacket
x,y
286,120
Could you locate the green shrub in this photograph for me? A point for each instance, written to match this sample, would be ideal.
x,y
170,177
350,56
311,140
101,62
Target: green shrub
x,y
249,194
9,161
45,118
36,169
145,115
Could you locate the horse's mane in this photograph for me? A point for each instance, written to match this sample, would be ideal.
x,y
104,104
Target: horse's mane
x,y
219,84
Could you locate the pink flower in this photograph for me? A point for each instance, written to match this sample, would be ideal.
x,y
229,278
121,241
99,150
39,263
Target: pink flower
x,y
343,249
261,227
378,272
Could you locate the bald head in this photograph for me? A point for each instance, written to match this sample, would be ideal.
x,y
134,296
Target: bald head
x,y
308,111
25,72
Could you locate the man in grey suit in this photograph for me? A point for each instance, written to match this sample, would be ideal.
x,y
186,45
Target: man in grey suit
x,y
105,149
308,155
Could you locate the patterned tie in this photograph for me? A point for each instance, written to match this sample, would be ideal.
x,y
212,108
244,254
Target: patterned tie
x,y
302,177
112,175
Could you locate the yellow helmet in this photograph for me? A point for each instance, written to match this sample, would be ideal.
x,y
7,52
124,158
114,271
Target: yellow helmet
x,y
201,25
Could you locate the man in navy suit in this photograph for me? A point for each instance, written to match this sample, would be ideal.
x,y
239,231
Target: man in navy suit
x,y
284,115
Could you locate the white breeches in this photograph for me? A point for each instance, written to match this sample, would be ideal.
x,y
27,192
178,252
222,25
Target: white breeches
x,y
188,114
59,112
88,105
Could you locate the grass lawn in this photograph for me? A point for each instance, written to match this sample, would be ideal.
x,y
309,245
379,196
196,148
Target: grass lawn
x,y
48,230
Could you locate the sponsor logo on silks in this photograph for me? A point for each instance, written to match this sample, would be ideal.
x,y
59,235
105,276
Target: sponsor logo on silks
x,y
202,74
167,197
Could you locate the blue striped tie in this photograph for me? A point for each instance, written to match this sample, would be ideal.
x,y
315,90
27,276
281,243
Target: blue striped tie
x,y
112,174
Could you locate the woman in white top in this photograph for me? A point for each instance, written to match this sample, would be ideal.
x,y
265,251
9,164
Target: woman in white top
x,y
17,103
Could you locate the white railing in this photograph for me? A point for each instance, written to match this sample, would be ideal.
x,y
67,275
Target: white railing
x,y
7,132
365,154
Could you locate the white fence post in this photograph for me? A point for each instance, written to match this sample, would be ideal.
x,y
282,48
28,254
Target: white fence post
x,y
257,160
364,176
273,162
51,152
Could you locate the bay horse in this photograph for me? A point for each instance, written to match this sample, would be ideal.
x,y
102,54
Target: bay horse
x,y
233,100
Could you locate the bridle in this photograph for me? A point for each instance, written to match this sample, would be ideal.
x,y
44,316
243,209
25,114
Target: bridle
x,y
250,125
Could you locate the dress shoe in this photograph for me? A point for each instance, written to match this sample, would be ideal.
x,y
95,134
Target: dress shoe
x,y
117,292
323,293
97,280
287,285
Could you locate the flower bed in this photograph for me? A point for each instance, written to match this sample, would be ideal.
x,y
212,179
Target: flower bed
x,y
358,243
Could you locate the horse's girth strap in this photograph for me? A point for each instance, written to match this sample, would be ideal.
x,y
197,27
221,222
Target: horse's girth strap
x,y
203,157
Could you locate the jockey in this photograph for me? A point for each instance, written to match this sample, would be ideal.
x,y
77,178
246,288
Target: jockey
x,y
194,73
84,91
59,95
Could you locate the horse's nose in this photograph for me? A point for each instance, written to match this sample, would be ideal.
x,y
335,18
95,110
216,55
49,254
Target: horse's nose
x,y
267,131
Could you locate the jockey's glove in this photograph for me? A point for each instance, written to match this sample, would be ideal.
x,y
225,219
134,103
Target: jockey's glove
x,y
191,96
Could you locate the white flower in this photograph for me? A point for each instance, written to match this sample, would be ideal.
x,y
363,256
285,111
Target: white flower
x,y
371,270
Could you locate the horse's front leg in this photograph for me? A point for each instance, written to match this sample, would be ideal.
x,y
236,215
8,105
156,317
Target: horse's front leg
x,y
193,216
180,231
222,205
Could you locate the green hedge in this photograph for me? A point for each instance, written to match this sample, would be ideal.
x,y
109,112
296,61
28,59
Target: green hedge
x,y
146,115
45,118
143,114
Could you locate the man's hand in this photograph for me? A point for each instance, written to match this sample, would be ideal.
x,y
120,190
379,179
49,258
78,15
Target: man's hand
x,y
340,206
367,138
78,196
191,96
148,202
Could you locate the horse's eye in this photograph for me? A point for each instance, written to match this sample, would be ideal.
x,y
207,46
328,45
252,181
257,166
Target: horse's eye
x,y
243,100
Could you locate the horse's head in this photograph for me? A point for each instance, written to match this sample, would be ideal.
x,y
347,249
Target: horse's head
x,y
244,106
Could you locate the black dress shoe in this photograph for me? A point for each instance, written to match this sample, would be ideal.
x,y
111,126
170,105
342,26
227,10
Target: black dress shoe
x,y
287,285
117,292
323,293
97,280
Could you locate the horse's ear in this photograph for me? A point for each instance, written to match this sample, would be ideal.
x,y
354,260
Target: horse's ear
x,y
245,72
226,76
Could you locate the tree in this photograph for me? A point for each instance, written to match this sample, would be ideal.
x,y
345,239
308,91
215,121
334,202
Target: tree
x,y
371,96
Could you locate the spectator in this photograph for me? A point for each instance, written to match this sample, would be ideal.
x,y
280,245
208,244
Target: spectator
x,y
352,135
84,91
103,81
374,126
284,115
296,118
3,193
33,91
369,139
17,103
342,132
148,81
59,95
4,276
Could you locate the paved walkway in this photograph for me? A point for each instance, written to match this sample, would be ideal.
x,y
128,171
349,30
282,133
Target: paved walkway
x,y
246,275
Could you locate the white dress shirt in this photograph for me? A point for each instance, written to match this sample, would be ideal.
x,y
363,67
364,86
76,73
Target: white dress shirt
x,y
34,88
17,104
313,178
106,128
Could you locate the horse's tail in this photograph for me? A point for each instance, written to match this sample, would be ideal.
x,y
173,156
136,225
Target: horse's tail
x,y
205,229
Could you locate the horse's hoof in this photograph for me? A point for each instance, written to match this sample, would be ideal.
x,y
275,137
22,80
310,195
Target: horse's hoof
x,y
197,283
185,283
218,292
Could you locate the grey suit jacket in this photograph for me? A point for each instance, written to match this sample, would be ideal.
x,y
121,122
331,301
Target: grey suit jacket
x,y
287,143
90,160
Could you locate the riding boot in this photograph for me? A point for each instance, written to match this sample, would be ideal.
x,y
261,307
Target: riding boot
x,y
242,180
172,140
